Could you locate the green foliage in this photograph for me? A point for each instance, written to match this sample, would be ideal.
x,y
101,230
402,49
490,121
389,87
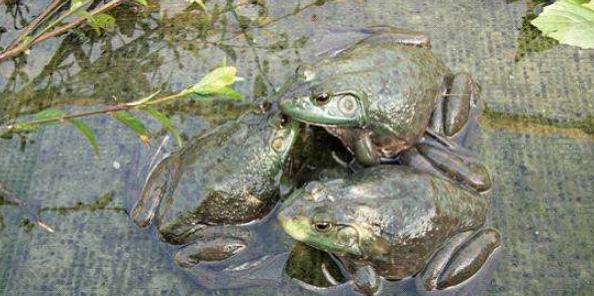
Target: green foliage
x,y
99,21
87,132
54,116
214,84
134,124
531,39
568,21
142,2
165,122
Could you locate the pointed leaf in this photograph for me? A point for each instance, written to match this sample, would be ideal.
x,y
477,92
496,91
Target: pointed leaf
x,y
230,93
134,124
87,132
49,114
166,122
142,2
215,81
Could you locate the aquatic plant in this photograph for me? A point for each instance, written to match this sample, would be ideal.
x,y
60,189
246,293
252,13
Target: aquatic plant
x,y
33,34
214,84
568,21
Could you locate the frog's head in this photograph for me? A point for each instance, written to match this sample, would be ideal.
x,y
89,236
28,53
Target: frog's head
x,y
311,215
325,101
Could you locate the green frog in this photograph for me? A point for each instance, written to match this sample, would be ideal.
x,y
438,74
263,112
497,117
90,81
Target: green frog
x,y
394,222
386,93
202,195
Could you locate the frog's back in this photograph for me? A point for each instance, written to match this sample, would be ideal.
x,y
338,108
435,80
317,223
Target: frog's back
x,y
402,83
409,214
223,176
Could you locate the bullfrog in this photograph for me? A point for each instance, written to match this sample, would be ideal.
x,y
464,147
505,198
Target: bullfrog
x,y
385,93
201,196
394,222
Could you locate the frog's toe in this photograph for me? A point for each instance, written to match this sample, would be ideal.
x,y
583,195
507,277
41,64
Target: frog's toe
x,y
469,258
456,105
457,164
366,280
213,250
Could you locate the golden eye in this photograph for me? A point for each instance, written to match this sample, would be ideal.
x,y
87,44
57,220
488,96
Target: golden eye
x,y
322,98
322,222
277,144
322,226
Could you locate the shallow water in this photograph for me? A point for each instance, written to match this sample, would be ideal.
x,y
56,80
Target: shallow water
x,y
537,135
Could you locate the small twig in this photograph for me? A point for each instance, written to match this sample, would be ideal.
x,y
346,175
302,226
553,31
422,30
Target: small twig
x,y
44,35
16,128
38,20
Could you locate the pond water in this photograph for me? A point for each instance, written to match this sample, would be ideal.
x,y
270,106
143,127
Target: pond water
x,y
537,135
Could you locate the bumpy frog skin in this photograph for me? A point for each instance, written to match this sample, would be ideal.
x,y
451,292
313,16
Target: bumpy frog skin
x,y
380,95
201,194
392,221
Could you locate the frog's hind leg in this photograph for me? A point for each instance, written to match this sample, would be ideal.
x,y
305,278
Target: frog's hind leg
x,y
461,258
160,184
212,243
457,114
443,158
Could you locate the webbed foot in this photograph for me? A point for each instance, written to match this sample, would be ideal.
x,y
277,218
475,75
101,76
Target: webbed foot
x,y
461,258
212,243
459,110
447,159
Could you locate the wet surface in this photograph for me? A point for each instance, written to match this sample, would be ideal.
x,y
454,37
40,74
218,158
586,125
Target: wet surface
x,y
542,200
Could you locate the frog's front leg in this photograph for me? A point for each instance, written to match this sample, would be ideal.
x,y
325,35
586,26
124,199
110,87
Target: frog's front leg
x,y
366,280
212,243
461,258
159,185
459,110
365,151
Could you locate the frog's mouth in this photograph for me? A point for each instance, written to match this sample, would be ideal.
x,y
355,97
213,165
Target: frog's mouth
x,y
305,109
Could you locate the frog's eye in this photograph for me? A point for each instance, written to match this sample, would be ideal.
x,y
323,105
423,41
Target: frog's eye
x,y
322,222
283,120
279,121
322,99
323,226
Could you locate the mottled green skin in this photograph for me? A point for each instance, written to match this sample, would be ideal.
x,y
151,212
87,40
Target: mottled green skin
x,y
390,218
230,175
397,87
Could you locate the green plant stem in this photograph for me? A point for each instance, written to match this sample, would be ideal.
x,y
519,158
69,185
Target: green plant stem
x,y
23,126
44,34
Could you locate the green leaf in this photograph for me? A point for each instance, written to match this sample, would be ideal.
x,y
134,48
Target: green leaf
x,y
142,2
87,132
49,113
216,81
166,122
230,93
76,4
104,21
99,21
568,21
134,124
